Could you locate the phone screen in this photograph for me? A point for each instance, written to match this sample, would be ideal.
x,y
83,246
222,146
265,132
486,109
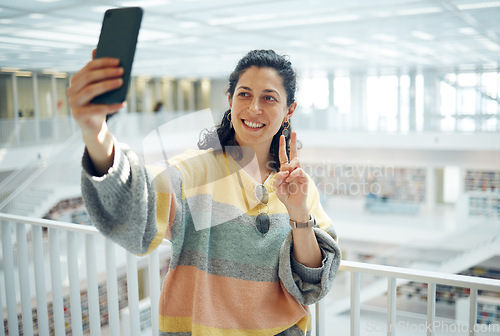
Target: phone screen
x,y
118,39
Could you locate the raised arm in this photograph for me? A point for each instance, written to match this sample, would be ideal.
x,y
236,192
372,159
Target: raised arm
x,y
119,192
97,77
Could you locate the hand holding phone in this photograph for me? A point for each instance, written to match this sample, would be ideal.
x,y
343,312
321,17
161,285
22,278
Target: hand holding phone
x,y
118,39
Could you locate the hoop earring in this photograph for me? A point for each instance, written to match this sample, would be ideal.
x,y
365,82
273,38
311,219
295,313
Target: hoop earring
x,y
228,117
286,126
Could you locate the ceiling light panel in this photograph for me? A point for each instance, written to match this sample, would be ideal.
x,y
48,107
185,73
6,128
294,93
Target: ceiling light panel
x,y
422,35
318,34
471,5
90,29
88,12
57,36
41,5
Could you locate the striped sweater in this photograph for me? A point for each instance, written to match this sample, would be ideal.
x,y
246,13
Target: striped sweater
x,y
225,277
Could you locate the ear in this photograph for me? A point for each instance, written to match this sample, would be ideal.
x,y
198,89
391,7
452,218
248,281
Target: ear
x,y
290,111
229,100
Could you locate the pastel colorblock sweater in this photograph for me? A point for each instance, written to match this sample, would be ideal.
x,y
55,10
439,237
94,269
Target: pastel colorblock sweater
x,y
225,277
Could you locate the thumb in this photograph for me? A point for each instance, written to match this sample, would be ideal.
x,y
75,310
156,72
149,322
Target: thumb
x,y
280,178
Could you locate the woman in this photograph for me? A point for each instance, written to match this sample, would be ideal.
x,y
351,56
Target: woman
x,y
252,246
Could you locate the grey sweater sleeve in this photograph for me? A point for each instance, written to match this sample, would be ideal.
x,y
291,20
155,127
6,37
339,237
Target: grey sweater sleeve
x,y
121,203
309,285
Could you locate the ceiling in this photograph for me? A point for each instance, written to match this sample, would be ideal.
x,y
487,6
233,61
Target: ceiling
x,y
200,38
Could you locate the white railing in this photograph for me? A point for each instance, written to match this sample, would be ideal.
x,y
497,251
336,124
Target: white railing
x,y
393,274
25,259
19,296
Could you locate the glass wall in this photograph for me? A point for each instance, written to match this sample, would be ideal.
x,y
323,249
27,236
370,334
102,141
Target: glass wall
x,y
411,101
6,94
399,100
25,92
46,98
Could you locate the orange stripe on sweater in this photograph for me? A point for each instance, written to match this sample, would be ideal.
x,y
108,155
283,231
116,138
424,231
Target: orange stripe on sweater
x,y
227,303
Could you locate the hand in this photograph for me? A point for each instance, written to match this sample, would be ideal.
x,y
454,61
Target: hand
x,y
291,182
97,77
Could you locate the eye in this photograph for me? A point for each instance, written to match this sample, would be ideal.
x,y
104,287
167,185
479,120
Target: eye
x,y
243,94
270,98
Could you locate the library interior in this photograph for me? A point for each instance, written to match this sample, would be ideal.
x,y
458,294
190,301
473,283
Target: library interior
x,y
398,119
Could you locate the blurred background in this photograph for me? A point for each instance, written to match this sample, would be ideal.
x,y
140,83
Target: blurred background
x,y
398,113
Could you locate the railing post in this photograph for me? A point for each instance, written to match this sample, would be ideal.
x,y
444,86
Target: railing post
x,y
391,306
133,294
40,286
74,284
355,303
154,289
93,293
320,318
55,271
24,282
431,308
472,311
112,286
8,273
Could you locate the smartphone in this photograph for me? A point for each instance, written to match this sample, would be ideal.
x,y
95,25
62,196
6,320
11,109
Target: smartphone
x,y
118,39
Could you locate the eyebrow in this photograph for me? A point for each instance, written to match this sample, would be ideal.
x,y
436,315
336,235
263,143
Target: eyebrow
x,y
265,90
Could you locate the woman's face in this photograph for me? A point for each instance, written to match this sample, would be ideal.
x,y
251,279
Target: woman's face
x,y
258,107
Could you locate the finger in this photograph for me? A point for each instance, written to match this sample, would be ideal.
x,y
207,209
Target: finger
x,y
103,62
96,109
298,175
282,151
93,53
82,81
91,91
280,178
291,166
95,71
293,146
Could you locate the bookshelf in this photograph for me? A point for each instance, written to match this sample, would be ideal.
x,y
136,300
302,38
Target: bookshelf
x,y
483,204
70,210
103,309
488,304
482,190
488,310
483,181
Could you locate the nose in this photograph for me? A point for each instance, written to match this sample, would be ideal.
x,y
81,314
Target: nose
x,y
255,106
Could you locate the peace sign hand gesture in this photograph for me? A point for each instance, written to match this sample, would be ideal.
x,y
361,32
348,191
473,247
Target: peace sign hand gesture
x,y
291,182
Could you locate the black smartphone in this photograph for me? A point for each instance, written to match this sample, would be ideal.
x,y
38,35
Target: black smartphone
x,y
118,39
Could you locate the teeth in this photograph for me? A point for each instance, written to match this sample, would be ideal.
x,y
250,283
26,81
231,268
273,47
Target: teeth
x,y
252,124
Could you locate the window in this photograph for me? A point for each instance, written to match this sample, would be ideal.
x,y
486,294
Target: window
x,y
382,103
313,93
342,94
419,103
404,103
448,100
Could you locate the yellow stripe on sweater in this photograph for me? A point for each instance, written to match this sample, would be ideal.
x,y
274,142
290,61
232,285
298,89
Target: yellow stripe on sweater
x,y
162,186
171,324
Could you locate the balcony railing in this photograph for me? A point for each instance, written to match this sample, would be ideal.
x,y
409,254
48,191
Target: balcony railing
x,y
31,248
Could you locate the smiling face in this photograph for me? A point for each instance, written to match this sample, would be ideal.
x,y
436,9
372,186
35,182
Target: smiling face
x,y
259,107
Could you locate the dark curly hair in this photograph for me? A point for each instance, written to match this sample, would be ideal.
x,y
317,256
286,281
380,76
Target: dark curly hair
x,y
224,133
